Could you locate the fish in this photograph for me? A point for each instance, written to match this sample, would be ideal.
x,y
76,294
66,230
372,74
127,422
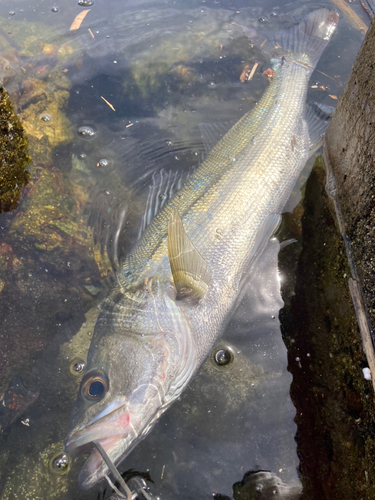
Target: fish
x,y
176,290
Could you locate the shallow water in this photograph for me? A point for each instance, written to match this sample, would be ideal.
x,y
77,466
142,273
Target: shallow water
x,y
105,106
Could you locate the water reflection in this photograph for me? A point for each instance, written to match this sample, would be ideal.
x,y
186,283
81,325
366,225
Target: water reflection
x,y
165,68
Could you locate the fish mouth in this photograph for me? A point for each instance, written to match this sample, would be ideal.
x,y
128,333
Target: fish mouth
x,y
113,431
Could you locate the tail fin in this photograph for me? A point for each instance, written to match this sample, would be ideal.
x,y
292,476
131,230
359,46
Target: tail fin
x,y
305,41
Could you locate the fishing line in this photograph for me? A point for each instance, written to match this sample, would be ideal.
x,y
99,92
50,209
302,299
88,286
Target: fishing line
x,y
114,471
116,490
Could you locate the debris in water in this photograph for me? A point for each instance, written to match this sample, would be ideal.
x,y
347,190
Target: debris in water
x,y
367,373
15,401
269,73
91,33
351,15
251,74
109,104
333,97
244,73
78,20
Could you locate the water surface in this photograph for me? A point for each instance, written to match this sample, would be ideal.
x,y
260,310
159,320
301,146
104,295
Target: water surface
x,y
105,106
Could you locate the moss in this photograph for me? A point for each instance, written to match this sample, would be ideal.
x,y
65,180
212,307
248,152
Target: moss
x,y
14,157
335,411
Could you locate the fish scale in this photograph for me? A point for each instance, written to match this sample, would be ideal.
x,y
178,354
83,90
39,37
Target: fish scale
x,y
248,181
176,290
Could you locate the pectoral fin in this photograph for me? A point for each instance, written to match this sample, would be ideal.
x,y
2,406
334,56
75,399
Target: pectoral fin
x,y
189,269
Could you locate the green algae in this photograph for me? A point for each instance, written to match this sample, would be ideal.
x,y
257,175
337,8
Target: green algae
x,y
13,154
35,39
47,126
45,121
52,220
335,409
32,480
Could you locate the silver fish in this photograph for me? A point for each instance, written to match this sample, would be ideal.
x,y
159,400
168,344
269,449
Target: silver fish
x,y
177,289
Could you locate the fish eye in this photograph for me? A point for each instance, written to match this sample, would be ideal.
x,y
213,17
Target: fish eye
x,y
94,386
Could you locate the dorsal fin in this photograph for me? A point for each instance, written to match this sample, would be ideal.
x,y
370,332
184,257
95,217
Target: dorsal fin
x,y
212,133
189,270
164,186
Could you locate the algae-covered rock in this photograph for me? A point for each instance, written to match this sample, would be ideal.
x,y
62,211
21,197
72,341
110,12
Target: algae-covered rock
x,y
45,121
14,157
52,222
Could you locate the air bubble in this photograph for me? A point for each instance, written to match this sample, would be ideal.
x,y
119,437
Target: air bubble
x,y
103,162
85,3
59,464
86,131
76,367
12,13
212,85
55,9
263,20
45,118
223,356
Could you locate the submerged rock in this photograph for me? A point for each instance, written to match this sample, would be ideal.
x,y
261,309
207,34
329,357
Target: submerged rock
x,y
14,157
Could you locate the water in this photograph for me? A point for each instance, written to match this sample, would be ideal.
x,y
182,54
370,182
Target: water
x,y
105,106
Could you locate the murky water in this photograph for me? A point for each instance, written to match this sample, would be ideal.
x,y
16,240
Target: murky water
x,y
105,106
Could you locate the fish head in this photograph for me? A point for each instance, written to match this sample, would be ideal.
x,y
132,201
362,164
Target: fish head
x,y
140,359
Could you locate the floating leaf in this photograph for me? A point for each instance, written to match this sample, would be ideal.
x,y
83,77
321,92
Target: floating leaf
x,y
78,20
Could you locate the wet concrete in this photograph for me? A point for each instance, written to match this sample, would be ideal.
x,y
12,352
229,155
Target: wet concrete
x,y
335,410
350,149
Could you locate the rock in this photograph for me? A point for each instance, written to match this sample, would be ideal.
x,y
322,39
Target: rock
x,y
14,157
350,150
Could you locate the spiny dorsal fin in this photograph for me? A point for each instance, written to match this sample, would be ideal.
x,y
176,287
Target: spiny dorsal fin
x,y
164,186
189,269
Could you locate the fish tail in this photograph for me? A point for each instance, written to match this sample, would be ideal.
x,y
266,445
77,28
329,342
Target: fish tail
x,y
303,42
308,39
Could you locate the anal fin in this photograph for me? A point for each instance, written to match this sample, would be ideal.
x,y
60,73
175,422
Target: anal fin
x,y
189,270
